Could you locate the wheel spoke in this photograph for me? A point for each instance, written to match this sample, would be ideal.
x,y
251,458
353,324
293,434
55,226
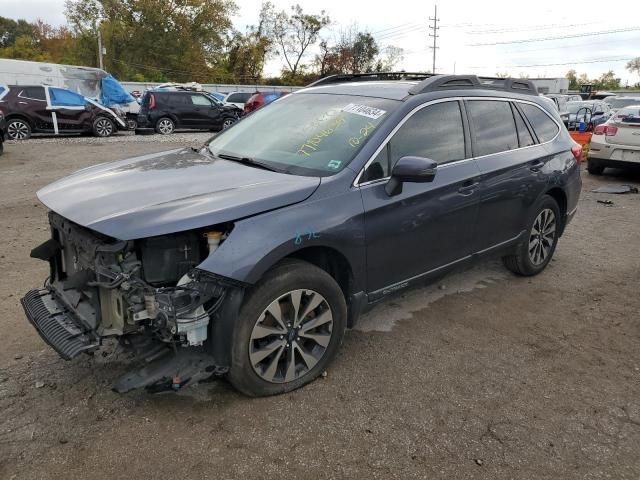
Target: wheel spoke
x,y
260,354
276,312
321,339
295,298
291,365
261,331
314,303
324,317
272,369
309,360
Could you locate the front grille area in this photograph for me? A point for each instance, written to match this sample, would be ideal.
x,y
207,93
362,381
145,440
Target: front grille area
x,y
56,326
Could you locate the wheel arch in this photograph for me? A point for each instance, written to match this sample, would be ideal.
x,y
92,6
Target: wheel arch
x,y
560,197
20,116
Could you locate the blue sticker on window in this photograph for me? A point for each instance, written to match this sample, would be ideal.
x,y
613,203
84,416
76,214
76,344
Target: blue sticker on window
x,y
334,164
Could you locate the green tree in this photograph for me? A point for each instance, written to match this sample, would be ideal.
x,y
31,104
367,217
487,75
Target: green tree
x,y
295,33
573,80
634,65
25,47
607,81
183,40
10,30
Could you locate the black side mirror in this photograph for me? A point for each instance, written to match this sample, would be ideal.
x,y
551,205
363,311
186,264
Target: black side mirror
x,y
410,169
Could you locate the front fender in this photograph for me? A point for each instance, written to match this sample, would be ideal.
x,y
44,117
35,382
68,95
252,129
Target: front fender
x,y
259,242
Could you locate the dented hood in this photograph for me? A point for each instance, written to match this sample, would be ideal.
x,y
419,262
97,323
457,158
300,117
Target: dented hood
x,y
170,192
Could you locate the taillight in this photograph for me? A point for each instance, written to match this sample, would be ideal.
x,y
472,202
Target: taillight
x,y
577,152
152,102
607,130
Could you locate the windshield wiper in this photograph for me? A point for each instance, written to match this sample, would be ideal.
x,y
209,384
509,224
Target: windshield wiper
x,y
246,161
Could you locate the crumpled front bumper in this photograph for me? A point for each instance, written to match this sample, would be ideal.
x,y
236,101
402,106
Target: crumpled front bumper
x,y
57,326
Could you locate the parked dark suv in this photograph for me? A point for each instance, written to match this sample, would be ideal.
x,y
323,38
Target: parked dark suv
x,y
251,256
44,109
166,110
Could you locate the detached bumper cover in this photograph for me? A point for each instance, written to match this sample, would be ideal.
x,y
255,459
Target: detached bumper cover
x,y
56,325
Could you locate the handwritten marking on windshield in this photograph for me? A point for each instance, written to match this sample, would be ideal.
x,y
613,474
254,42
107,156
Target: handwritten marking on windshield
x,y
312,143
364,133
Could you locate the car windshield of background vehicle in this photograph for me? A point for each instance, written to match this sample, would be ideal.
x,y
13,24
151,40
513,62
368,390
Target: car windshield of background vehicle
x,y
573,107
306,134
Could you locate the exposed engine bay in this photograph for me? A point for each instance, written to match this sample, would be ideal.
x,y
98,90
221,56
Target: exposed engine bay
x,y
147,289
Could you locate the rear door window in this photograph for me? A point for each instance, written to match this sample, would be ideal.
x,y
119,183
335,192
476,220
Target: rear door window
x,y
34,93
524,136
545,128
493,127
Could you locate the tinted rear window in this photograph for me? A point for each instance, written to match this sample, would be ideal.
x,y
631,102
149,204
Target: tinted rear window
x,y
545,128
494,129
33,92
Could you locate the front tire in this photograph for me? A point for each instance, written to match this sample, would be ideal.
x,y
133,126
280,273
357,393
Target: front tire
x,y
103,127
18,129
228,122
535,252
289,329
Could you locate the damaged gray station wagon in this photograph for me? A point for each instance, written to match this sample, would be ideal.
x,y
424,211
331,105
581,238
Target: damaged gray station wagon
x,y
249,257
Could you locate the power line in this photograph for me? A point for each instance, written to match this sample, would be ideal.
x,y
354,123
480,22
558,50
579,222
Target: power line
x,y
400,33
560,37
531,28
435,35
602,60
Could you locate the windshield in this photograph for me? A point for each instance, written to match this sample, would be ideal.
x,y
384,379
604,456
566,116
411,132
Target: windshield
x,y
305,134
622,102
573,107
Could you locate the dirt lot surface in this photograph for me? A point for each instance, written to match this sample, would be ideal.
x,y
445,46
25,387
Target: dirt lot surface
x,y
483,376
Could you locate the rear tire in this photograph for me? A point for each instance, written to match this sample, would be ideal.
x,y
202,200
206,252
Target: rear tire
x,y
165,126
103,127
18,129
535,252
273,355
594,168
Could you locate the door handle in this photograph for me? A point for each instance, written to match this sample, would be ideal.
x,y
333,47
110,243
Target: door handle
x,y
468,188
536,166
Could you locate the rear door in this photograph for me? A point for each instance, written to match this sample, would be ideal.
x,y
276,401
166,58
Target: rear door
x,y
511,163
32,101
427,225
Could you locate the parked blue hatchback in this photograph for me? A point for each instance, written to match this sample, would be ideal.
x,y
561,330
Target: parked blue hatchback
x,y
248,258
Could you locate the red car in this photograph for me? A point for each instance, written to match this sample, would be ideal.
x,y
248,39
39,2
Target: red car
x,y
260,99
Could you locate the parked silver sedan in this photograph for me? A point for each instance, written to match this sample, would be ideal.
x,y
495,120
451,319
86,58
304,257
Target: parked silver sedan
x,y
616,143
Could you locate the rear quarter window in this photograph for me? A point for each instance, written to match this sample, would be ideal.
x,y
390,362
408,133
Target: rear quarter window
x,y
493,127
545,128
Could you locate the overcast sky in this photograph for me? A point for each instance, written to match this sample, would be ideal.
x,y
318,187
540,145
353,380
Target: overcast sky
x,y
587,45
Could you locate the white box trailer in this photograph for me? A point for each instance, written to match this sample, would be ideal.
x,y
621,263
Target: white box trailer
x,y
92,83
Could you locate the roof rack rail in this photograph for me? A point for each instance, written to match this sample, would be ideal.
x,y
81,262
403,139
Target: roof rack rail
x,y
464,82
372,76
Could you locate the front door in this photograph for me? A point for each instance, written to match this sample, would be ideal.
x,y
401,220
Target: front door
x,y
427,226
206,114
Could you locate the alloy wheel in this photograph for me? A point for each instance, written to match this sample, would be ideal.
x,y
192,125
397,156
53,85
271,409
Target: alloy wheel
x,y
542,236
17,130
165,126
291,336
227,123
104,127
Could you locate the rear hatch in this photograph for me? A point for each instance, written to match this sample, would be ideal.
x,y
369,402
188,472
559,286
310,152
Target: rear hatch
x,y
627,121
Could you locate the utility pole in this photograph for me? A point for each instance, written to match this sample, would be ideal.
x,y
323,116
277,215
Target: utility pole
x,y
100,52
435,35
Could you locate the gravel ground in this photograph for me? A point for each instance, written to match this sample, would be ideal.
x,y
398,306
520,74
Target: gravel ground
x,y
483,376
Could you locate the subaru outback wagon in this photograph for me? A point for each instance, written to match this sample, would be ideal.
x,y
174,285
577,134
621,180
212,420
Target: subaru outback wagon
x,y
250,257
